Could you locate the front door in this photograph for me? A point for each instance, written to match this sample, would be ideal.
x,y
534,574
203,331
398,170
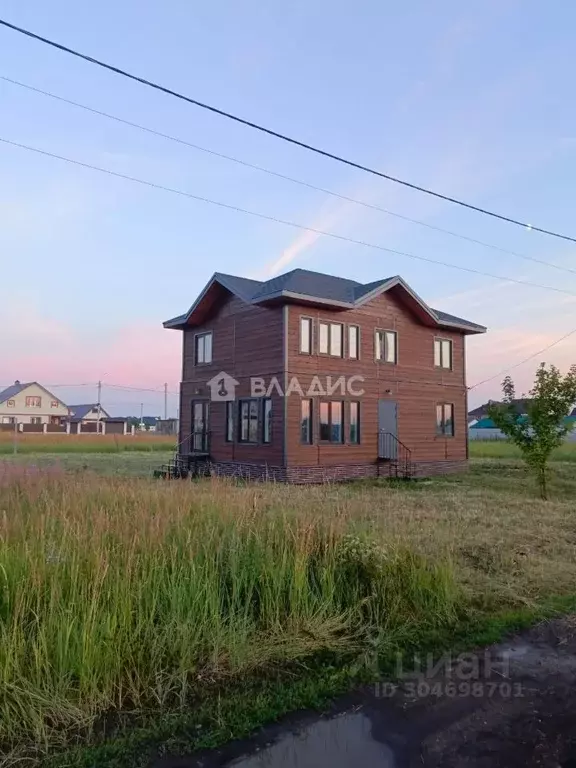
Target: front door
x,y
387,429
199,441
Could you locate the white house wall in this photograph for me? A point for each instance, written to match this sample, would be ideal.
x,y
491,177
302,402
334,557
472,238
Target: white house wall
x,y
24,413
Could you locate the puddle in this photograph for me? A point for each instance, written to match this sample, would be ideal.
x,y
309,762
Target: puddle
x,y
343,742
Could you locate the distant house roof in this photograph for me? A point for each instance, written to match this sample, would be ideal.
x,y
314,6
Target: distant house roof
x,y
13,390
482,410
79,412
305,286
18,386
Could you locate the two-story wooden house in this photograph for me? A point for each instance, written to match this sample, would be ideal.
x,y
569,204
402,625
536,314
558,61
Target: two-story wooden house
x,y
308,377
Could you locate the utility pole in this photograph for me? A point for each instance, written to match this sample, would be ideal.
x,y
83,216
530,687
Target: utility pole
x,y
99,407
165,401
141,415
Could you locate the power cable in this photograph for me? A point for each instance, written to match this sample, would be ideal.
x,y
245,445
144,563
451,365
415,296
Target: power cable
x,y
283,137
526,360
283,176
285,222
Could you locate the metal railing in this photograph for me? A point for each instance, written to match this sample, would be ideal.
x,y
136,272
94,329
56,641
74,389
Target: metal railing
x,y
393,450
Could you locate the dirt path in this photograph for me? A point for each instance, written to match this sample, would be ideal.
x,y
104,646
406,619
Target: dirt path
x,y
510,706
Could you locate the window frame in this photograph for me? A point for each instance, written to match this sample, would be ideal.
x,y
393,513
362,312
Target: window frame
x,y
36,420
330,404
310,418
11,403
54,403
310,321
441,340
229,421
358,406
443,421
266,421
30,404
383,360
329,324
349,327
249,400
197,337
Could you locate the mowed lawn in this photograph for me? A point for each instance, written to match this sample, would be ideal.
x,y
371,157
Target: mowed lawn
x,y
168,599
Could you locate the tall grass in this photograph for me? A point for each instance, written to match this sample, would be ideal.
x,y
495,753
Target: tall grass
x,y
123,594
28,442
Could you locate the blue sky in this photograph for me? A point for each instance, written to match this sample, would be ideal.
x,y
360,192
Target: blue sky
x,y
470,99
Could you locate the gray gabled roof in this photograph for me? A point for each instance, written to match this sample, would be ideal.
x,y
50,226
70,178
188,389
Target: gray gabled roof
x,y
78,412
315,287
13,390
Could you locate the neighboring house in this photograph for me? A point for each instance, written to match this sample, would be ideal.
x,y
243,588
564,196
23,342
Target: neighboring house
x,y
401,403
31,403
88,413
481,412
91,417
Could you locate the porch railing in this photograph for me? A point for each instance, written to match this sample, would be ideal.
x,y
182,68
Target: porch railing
x,y
393,450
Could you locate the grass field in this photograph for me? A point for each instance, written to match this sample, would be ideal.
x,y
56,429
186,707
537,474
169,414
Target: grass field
x,y
222,605
27,443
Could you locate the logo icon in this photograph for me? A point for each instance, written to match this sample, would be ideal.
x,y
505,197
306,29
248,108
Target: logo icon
x,y
222,387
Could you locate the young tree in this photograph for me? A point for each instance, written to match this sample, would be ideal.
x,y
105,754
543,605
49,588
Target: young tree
x,y
543,428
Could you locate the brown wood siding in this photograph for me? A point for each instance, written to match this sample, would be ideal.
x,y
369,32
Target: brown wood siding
x,y
247,341
414,383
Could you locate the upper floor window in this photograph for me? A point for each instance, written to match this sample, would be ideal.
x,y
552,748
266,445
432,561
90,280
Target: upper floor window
x,y
248,409
11,403
331,339
306,335
33,402
331,421
203,348
443,353
353,342
267,420
386,346
54,403
445,419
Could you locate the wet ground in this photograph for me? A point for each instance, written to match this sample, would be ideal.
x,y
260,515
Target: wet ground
x,y
507,706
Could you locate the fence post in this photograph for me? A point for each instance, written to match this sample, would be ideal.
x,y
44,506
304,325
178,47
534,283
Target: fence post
x,y
15,440
44,428
79,428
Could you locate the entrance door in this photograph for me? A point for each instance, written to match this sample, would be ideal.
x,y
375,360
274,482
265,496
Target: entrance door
x,y
199,441
387,429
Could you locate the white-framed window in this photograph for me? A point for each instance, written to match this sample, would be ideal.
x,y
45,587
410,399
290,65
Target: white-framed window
x,y
332,421
354,342
35,420
445,419
267,420
33,402
230,421
354,423
386,346
443,353
203,348
306,425
54,403
331,339
248,420
306,335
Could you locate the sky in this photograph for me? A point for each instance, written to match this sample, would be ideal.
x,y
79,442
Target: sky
x,y
470,99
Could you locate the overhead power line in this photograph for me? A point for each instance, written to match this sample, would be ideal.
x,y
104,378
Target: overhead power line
x,y
283,176
526,359
282,136
277,220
